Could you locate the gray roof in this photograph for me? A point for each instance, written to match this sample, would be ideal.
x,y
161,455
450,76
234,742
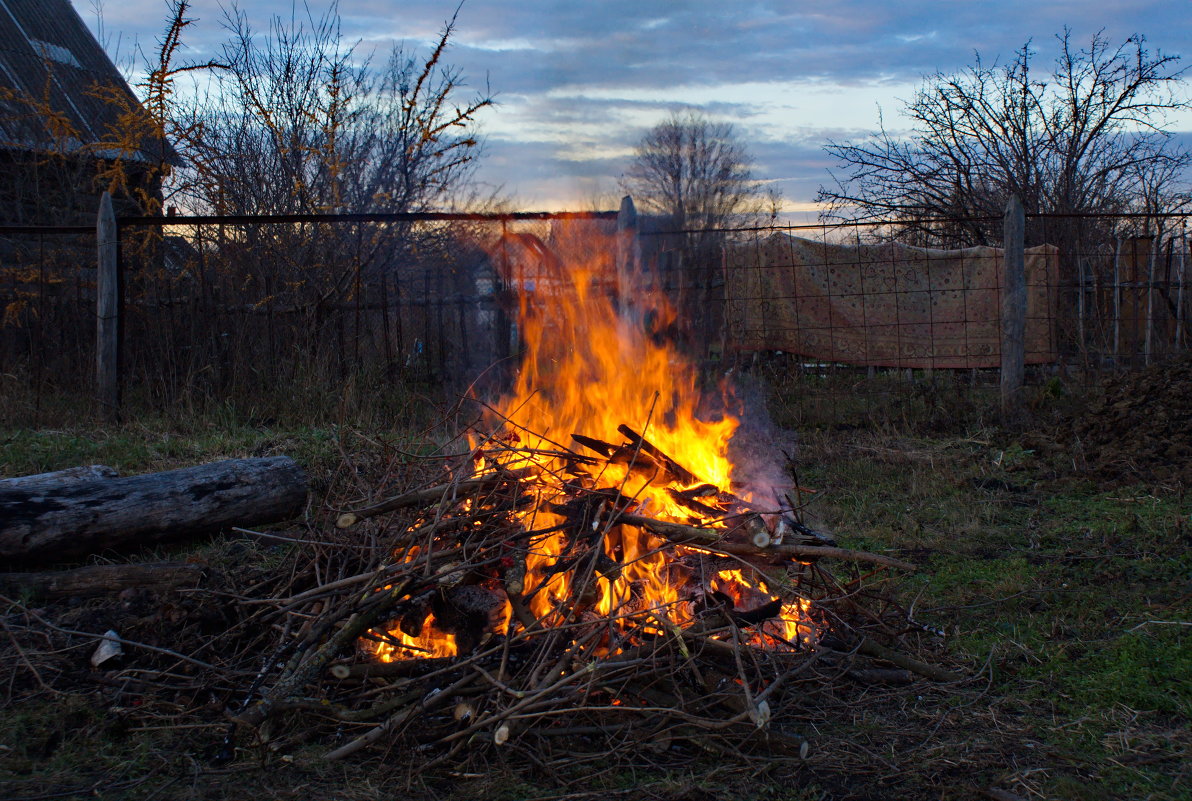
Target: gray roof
x,y
47,52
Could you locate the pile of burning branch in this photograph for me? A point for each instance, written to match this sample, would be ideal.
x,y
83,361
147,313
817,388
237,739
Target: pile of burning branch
x,y
587,571
541,597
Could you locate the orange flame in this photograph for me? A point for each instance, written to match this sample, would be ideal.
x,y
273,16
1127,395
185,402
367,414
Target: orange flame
x,y
588,368
594,359
431,642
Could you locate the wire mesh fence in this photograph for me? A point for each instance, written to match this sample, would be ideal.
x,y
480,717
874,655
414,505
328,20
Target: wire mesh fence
x,y
47,304
855,326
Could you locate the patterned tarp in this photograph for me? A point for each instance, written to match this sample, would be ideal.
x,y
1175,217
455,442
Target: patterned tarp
x,y
883,305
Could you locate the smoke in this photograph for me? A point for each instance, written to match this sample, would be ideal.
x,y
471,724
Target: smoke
x,y
759,450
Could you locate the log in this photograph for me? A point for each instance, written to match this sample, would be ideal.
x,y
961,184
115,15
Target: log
x,y
61,521
96,580
59,477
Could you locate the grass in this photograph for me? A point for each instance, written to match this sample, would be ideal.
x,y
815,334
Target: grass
x,y
1075,595
1067,600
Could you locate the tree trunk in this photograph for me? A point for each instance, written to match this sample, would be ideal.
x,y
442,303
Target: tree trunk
x,y
52,521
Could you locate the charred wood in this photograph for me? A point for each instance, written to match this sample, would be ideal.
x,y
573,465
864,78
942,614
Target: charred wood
x,y
681,474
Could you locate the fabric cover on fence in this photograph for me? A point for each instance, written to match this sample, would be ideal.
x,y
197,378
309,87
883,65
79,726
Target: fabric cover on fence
x,y
883,305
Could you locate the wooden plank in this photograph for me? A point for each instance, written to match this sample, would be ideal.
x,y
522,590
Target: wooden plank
x,y
1013,306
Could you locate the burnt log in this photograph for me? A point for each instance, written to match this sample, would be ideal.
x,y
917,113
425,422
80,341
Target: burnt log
x,y
97,580
57,521
469,612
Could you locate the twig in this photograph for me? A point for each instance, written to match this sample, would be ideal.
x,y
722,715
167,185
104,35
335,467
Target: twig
x,y
713,538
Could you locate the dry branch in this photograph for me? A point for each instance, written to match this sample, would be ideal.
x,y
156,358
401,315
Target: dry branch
x,y
714,538
94,580
467,563
422,498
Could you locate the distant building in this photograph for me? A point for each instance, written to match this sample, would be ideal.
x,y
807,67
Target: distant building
x,y
61,107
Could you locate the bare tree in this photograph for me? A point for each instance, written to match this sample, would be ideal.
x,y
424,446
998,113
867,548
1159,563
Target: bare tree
x,y
301,122
695,172
696,175
298,121
1089,137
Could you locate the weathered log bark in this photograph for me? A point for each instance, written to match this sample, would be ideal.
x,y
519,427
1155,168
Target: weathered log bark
x,y
60,521
86,582
59,477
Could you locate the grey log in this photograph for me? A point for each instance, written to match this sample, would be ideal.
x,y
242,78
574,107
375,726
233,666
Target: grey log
x,y
52,523
59,477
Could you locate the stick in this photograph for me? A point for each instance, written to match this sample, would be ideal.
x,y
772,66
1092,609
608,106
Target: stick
x,y
94,580
690,535
420,497
870,648
681,473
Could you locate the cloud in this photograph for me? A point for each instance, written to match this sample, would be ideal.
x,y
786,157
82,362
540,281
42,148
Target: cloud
x,y
578,83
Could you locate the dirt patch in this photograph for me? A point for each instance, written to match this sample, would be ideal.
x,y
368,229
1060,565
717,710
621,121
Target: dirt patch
x,y
1140,429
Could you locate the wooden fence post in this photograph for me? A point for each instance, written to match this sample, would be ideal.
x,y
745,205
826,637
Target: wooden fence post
x,y
628,254
1013,305
107,311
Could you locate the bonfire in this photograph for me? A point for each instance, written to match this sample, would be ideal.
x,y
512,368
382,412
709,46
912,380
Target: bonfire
x,y
588,567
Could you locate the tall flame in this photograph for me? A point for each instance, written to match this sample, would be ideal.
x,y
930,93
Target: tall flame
x,y
594,359
589,366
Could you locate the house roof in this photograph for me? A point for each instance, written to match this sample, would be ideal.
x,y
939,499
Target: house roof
x,y
47,53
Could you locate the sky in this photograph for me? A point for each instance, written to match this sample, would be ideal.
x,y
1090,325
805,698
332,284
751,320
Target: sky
x,y
577,83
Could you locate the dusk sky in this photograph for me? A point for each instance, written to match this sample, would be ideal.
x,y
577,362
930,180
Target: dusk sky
x,y
577,83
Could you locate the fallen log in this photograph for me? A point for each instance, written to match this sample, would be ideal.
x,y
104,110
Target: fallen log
x,y
95,580
56,521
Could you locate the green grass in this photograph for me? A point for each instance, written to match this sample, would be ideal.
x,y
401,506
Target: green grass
x,y
1074,596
